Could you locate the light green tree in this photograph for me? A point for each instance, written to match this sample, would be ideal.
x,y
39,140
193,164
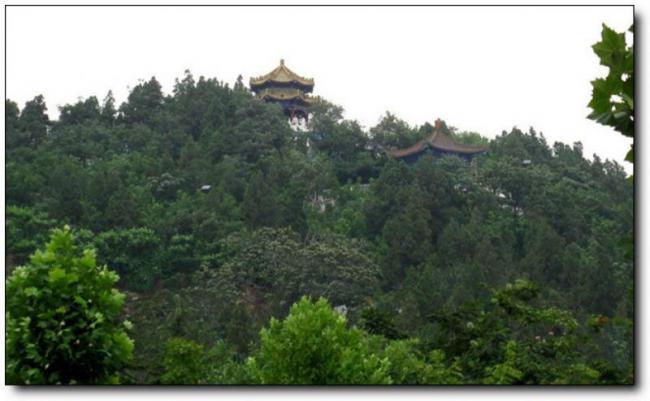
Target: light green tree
x,y
62,320
314,346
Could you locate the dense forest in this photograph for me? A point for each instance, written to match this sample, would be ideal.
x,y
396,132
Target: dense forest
x,y
249,252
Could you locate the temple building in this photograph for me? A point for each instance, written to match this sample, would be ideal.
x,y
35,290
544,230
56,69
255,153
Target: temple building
x,y
437,144
287,88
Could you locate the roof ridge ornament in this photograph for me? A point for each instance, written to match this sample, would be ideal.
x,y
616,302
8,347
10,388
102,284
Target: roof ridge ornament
x,y
281,61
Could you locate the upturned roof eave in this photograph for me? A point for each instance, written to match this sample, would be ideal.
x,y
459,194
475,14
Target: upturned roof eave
x,y
434,141
262,82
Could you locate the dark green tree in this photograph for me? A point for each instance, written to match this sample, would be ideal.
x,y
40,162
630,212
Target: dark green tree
x,y
81,112
143,104
26,229
108,110
34,120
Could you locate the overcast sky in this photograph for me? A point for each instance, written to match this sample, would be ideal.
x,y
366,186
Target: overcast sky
x,y
480,69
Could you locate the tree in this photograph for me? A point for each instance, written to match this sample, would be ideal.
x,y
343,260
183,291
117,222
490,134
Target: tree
x,y
134,253
407,233
80,112
393,179
209,310
324,115
14,135
393,132
184,363
108,110
239,84
409,366
470,138
336,268
34,120
144,101
260,206
276,269
314,346
12,114
63,194
258,129
26,230
512,340
63,318
376,321
187,362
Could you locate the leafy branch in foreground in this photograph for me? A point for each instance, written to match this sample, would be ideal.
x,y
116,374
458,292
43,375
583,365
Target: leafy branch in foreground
x,y
612,99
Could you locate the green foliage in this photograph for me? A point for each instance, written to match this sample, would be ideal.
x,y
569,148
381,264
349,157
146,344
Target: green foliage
x,y
143,102
407,233
184,363
218,217
26,230
133,253
408,366
108,111
63,318
505,372
206,309
14,136
187,362
81,112
393,132
376,321
34,122
470,138
273,265
513,341
314,346
612,99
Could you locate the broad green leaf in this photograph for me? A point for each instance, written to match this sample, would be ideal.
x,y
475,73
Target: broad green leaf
x,y
56,274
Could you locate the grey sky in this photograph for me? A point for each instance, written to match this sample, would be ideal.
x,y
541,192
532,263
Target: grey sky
x,y
480,69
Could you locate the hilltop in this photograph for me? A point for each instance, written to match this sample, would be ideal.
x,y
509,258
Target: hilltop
x,y
218,216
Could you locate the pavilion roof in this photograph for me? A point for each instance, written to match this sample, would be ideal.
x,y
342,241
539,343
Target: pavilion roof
x,y
281,74
438,140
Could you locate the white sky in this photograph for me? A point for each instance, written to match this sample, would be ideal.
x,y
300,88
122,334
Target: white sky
x,y
480,69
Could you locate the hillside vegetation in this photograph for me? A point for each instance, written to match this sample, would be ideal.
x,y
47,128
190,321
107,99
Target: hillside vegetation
x,y
314,258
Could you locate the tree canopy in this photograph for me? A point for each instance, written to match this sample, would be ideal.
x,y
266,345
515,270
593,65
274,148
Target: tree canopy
x,y
63,318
